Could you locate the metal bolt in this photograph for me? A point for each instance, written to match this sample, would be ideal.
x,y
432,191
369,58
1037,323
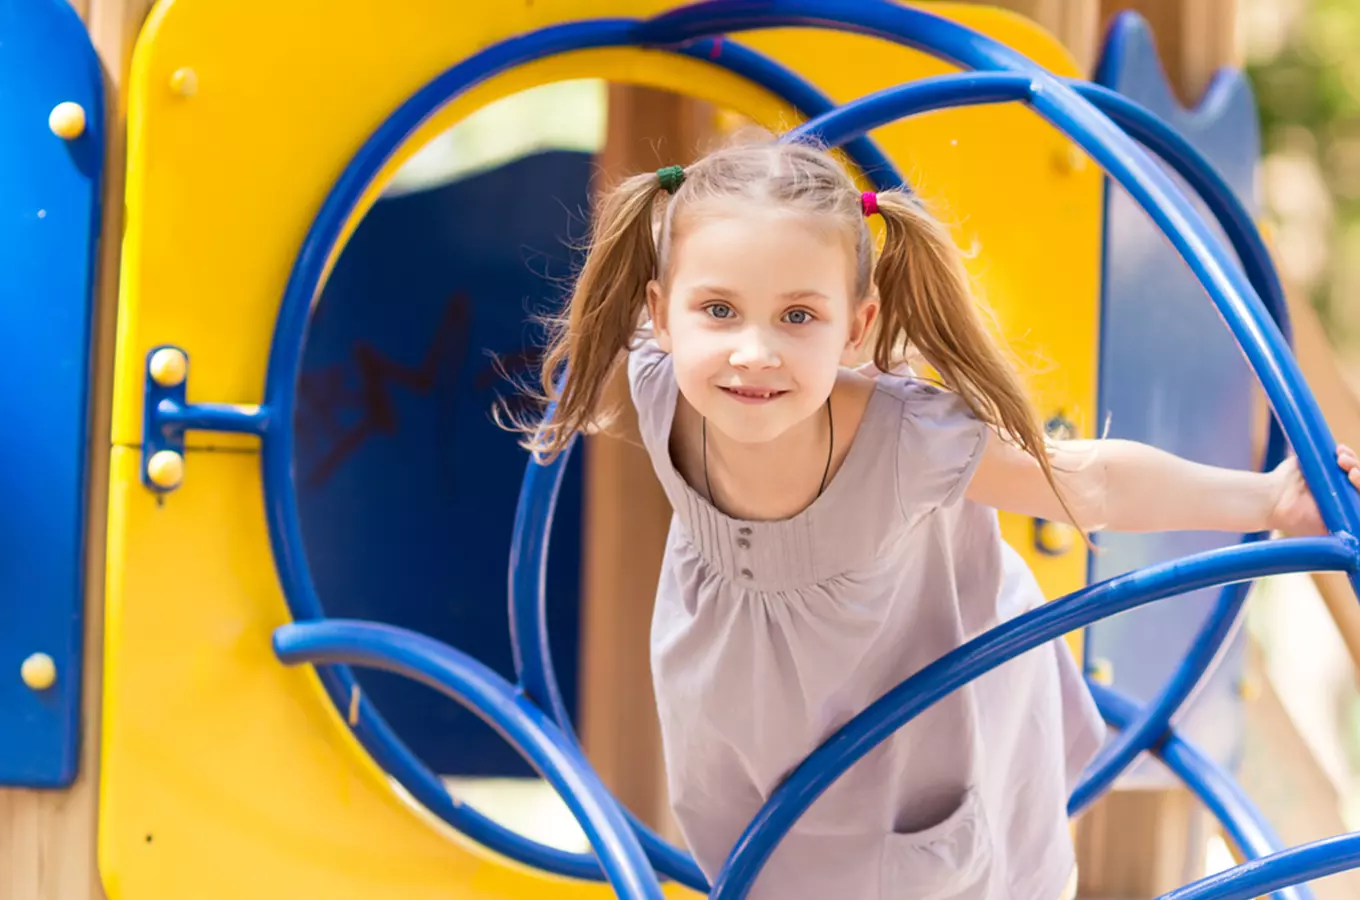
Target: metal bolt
x,y
39,671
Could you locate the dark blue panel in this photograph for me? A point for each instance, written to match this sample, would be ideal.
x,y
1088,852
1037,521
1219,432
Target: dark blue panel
x,y
1172,376
407,487
49,226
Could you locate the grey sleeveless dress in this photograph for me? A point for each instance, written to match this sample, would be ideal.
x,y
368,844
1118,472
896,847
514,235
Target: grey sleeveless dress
x,y
767,636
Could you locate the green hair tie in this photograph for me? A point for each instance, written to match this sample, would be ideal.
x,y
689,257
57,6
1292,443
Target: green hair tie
x,y
671,177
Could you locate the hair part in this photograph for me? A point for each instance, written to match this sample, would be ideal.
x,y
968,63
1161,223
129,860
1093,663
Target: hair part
x,y
925,291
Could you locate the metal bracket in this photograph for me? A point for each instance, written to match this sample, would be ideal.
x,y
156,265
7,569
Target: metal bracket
x,y
167,415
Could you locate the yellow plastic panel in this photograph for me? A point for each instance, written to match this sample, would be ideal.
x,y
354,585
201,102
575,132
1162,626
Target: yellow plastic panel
x,y
224,774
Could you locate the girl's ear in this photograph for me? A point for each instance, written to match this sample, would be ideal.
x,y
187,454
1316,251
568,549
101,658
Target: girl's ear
x,y
861,327
656,311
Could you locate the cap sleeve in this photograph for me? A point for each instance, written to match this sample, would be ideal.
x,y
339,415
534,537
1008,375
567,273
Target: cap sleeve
x,y
651,382
939,448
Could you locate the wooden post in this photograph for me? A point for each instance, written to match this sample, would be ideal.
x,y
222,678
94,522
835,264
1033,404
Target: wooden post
x,y
627,515
47,838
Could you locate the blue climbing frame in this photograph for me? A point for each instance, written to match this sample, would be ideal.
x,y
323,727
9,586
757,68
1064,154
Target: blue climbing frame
x,y
532,716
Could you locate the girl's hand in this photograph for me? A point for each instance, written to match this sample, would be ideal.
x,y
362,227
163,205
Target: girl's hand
x,y
1294,512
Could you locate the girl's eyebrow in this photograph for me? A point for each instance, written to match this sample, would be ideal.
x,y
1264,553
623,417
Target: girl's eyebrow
x,y
728,293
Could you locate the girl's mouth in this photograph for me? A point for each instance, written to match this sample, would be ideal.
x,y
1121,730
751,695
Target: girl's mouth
x,y
751,394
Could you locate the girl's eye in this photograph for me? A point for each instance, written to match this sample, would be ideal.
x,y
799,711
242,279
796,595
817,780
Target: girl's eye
x,y
719,310
798,317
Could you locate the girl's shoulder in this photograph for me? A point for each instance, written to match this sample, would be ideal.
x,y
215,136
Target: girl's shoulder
x,y
939,440
918,399
652,386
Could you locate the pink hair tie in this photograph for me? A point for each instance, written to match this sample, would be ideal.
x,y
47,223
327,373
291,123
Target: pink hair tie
x,y
869,201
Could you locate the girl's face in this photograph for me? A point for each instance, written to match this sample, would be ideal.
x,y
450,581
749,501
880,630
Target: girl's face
x,y
757,316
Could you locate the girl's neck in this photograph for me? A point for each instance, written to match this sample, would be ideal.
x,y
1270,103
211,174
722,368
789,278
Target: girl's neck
x,y
776,479
772,480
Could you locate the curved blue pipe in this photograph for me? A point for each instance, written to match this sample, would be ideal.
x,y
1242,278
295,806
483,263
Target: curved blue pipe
x,y
496,702
1269,874
860,116
987,651
286,352
1234,810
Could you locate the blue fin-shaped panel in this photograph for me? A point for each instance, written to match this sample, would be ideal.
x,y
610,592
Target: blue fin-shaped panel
x,y
49,226
1172,376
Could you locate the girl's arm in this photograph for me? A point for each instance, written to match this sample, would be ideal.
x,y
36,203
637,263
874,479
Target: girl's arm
x,y
1126,486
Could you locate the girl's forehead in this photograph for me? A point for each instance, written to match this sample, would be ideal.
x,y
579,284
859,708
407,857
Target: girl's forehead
x,y
769,246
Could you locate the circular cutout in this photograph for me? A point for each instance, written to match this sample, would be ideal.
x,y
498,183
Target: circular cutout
x,y
334,223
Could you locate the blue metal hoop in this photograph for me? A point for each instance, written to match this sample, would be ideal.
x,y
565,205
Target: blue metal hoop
x,y
523,725
372,730
892,104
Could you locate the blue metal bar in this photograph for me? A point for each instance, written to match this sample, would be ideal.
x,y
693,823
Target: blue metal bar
x,y
1237,224
1234,810
229,417
1261,341
866,113
987,651
304,286
496,702
892,104
528,575
858,117
1294,866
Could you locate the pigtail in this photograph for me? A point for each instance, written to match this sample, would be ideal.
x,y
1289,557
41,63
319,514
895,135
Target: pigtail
x,y
588,339
928,304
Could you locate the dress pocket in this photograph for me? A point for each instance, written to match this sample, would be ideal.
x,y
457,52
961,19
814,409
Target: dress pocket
x,y
942,861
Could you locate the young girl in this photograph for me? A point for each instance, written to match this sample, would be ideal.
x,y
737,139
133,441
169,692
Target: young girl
x,y
835,529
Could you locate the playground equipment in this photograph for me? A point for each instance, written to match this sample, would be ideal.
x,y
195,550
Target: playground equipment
x,y
225,773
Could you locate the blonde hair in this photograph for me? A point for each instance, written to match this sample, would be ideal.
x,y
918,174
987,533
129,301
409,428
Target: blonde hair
x,y
927,303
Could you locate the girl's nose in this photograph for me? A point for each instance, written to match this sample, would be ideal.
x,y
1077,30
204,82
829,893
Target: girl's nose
x,y
754,350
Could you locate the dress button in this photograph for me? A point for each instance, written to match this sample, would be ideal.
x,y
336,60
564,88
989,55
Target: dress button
x,y
743,543
745,529
746,573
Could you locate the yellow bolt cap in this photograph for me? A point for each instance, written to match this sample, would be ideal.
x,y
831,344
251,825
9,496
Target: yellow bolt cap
x,y
67,120
165,469
184,82
168,366
1055,537
39,671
